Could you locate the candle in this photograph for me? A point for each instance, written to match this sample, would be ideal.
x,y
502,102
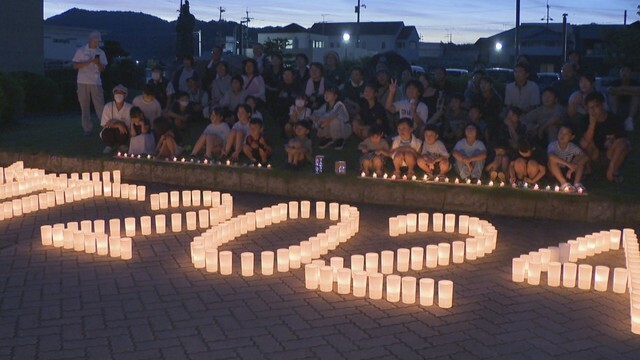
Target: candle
x,y
90,243
601,280
283,260
445,294
116,176
211,260
450,223
206,198
226,262
198,255
311,276
375,286
409,289
471,248
305,252
545,257
344,280
371,265
569,274
67,236
553,274
186,198
458,252
393,288
114,246
393,227
323,241
326,278
437,222
125,248
334,211
130,226
423,222
402,224
432,256
473,226
584,276
357,262
426,291
276,217
163,199
268,216
155,202
403,259
161,224
192,222
145,225
614,239
533,274
98,226
412,222
175,198
203,220
78,241
444,250
305,209
102,244
246,259
619,280
463,224
57,234
46,234
294,256
417,258
293,209
320,210
176,222
386,266
142,193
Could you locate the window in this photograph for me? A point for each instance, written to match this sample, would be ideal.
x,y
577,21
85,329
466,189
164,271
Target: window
x,y
289,44
317,44
400,44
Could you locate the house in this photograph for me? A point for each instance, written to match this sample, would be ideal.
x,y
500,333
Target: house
x,y
61,43
299,40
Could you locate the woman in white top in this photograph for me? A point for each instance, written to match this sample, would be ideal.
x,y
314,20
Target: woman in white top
x,y
115,121
253,81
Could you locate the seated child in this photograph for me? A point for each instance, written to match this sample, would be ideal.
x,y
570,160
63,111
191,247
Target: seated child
x,y
434,159
470,154
528,166
298,148
499,166
169,143
142,140
181,112
332,120
455,118
253,102
213,137
297,112
566,159
256,148
373,151
238,133
477,117
404,148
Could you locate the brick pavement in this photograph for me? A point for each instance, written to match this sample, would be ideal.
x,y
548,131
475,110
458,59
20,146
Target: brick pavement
x,y
61,304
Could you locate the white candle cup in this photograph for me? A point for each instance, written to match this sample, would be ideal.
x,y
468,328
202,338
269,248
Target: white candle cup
x,y
186,198
409,289
471,248
275,214
116,176
619,280
206,198
126,251
102,244
260,223
393,288
601,278
73,225
192,220
450,223
427,286
533,275
67,236
357,263
553,274
423,222
268,216
458,249
323,241
266,262
394,227
402,259
569,271
78,241
90,243
163,200
294,256
315,247
305,252
412,223
226,262
343,276
444,251
246,259
463,224
334,211
326,278
305,209
130,226
585,272
114,246
141,193
124,191
402,224
375,286
417,258
311,276
438,219
293,210
371,263
175,199
57,235
99,226
161,224
114,227
198,256
211,260
386,262
133,192
46,234
145,225
359,278
432,256
176,222
545,258
155,202
283,260
614,239
203,219
445,294
321,210
196,197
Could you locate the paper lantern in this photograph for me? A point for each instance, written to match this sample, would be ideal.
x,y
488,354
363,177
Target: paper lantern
x,y
357,263
99,226
203,220
450,223
268,216
584,276
311,276
73,225
145,225
412,223
67,241
186,198
371,263
533,275
198,256
457,251
78,241
417,258
614,239
206,198
133,192
334,211
283,260
46,234
102,244
545,257
403,256
359,278
386,262
619,279
409,289
116,176
635,318
427,286
155,202
344,280
553,274
211,260
90,243
393,288
305,252
293,209
591,245
326,278
130,226
176,222
284,210
305,209
294,256
192,220
57,235
196,198
375,285
246,260
161,224
445,294
432,256
114,246
471,248
463,224
402,224
601,279
266,262
333,237
275,214
106,176
260,219
226,262
444,251
323,241
174,197
423,222
438,219
126,251
569,274
321,210
393,227
163,200
473,226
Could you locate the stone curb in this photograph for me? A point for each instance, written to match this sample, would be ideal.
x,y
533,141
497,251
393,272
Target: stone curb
x,y
348,189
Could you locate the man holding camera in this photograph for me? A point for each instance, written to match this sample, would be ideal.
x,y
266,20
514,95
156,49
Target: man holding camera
x,y
90,61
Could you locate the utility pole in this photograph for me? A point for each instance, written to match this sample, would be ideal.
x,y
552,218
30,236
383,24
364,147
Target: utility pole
x,y
358,9
547,17
517,30
245,35
564,38
221,10
625,18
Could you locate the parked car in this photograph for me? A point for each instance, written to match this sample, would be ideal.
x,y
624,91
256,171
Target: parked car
x,y
457,72
502,75
547,79
417,70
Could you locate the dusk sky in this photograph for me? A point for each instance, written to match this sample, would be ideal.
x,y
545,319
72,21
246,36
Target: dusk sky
x,y
466,20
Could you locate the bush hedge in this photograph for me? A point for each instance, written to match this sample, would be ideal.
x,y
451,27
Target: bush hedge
x,y
11,100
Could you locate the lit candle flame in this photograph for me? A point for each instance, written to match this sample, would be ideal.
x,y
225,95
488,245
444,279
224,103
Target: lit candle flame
x,y
385,176
375,175
491,183
363,174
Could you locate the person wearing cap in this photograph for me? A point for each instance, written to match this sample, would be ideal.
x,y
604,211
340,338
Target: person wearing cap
x,y
90,61
116,121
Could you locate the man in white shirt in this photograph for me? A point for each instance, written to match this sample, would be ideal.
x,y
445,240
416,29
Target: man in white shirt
x,y
90,61
523,92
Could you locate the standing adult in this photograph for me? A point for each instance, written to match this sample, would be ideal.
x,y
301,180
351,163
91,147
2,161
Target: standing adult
x,y
90,61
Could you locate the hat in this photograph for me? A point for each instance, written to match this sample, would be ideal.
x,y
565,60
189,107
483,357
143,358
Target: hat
x,y
95,35
120,87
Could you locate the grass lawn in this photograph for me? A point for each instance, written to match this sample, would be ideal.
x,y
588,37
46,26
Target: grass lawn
x,y
61,134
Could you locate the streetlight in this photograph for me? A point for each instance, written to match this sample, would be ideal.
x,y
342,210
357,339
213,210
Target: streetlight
x,y
345,38
498,46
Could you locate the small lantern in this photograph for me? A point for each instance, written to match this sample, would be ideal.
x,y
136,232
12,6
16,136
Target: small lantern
x,y
432,256
126,251
584,276
114,246
326,278
417,258
116,176
393,288
569,270
371,262
438,219
450,223
211,260
386,262
311,276
393,227
553,274
155,202
98,226
145,225
293,209
176,222
186,198
321,210
114,227
423,222
192,220
175,199
357,262
533,272
445,294
409,289
305,209
375,285
226,262
471,248
161,224
334,211
403,256
619,279
402,224
427,286
614,239
359,283
283,260
102,244
412,223
444,251
266,262
163,200
601,280
458,249
246,259
463,224
46,234
344,280
294,256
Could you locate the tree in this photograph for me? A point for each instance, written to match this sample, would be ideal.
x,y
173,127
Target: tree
x,y
275,46
623,46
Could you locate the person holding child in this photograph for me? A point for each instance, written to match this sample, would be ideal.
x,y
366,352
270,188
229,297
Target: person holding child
x,y
373,151
434,158
298,148
470,154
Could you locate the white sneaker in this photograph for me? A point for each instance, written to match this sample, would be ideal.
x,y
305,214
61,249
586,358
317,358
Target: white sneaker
x,y
107,150
628,124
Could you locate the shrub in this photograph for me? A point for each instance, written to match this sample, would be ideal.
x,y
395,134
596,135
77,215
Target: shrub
x,y
41,93
11,100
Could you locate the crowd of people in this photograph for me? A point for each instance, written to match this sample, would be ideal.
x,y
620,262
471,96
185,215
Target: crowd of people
x,y
417,123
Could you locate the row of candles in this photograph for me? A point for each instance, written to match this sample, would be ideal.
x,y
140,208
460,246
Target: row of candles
x,y
632,255
183,160
90,238
410,223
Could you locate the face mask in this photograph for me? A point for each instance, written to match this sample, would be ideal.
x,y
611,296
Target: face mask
x,y
299,103
183,103
155,76
118,98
